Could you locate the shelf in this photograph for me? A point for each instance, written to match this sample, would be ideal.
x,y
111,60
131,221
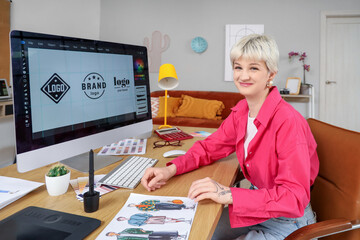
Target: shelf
x,y
295,96
307,98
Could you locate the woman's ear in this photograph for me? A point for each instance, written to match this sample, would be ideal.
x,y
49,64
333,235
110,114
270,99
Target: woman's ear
x,y
272,75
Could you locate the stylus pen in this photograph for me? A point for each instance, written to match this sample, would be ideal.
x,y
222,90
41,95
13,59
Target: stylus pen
x,y
91,172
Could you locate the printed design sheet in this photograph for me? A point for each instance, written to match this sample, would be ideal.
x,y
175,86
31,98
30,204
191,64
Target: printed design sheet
x,y
152,217
125,147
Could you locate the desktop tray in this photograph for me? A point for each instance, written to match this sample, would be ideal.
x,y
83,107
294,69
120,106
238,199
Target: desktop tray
x,y
40,224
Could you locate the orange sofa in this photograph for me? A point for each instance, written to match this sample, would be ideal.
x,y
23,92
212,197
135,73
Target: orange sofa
x,y
230,99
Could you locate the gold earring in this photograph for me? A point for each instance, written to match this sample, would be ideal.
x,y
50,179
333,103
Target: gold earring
x,y
269,84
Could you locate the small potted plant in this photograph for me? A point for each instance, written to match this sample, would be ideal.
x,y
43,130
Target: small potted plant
x,y
57,180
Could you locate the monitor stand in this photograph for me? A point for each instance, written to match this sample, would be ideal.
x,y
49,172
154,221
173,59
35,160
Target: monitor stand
x,y
81,162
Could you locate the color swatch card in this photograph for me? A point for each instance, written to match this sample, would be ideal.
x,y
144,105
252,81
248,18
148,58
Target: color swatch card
x,y
81,186
200,134
125,147
152,217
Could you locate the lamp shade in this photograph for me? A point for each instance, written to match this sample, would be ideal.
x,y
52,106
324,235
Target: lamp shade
x,y
167,77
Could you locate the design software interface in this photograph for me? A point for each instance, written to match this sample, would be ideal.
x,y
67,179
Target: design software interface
x,y
69,88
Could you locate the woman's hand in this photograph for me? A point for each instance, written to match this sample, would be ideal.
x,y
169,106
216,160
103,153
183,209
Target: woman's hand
x,y
155,178
207,188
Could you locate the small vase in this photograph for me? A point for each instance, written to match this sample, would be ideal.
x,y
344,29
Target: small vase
x,y
304,89
57,185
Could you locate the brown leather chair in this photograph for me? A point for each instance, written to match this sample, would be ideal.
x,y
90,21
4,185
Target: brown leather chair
x,y
336,194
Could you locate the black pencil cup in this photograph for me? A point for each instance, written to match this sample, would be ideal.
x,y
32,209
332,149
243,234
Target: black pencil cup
x,y
91,202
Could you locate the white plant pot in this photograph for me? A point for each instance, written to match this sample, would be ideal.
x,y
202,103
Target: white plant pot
x,y
57,185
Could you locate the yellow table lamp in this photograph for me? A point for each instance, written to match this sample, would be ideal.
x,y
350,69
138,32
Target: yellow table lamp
x,y
167,80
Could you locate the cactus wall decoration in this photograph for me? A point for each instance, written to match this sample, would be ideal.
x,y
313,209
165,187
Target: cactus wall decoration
x,y
155,49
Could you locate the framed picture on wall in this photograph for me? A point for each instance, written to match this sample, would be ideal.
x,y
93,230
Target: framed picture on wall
x,y
293,84
233,33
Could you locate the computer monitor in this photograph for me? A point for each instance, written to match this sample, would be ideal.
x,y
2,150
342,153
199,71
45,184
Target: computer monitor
x,y
72,95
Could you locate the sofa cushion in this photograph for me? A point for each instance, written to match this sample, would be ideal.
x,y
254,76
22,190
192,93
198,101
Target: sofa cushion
x,y
199,108
172,106
154,106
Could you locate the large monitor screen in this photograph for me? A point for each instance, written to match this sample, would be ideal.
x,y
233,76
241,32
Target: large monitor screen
x,y
69,88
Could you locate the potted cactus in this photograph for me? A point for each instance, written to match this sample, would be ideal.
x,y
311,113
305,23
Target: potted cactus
x,y
57,180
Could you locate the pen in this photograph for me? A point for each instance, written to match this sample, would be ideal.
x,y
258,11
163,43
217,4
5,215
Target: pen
x,y
91,172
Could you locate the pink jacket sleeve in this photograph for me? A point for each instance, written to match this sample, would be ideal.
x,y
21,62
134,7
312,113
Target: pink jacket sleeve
x,y
218,145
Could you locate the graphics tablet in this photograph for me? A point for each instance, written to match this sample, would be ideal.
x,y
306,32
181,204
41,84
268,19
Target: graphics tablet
x,y
40,224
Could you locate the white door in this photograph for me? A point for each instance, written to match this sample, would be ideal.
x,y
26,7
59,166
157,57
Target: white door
x,y
340,83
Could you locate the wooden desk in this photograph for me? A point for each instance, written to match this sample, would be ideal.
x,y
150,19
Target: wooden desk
x,y
207,215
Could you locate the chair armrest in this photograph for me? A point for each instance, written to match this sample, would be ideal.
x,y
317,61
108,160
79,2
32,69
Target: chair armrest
x,y
323,228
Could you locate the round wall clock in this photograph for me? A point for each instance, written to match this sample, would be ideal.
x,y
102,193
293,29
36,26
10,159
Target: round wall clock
x,y
199,44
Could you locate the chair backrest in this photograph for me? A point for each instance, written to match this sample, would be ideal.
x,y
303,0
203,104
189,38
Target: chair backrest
x,y
336,192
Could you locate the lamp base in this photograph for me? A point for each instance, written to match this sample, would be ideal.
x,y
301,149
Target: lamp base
x,y
165,126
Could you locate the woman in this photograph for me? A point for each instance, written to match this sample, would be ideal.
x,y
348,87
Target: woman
x,y
274,146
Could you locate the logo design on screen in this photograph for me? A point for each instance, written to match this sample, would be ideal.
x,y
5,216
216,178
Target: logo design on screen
x,y
121,84
93,85
55,88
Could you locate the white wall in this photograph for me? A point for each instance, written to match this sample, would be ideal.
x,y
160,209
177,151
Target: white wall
x,y
76,18
294,24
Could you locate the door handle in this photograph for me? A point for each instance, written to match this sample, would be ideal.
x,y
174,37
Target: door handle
x,y
330,82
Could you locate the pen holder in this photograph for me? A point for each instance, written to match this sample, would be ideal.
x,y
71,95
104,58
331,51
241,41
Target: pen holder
x,y
91,202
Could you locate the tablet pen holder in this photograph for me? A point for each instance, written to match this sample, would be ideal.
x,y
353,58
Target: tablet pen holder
x,y
91,202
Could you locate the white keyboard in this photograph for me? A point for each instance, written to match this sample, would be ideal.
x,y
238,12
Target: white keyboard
x,y
128,174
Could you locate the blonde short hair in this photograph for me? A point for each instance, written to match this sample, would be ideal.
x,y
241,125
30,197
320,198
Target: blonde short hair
x,y
259,47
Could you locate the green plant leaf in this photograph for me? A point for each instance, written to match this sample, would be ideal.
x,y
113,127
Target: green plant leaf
x,y
57,170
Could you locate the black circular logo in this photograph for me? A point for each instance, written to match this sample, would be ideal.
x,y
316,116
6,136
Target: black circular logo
x,y
93,85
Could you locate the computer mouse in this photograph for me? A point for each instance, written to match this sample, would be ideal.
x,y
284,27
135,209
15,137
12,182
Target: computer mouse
x,y
174,153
